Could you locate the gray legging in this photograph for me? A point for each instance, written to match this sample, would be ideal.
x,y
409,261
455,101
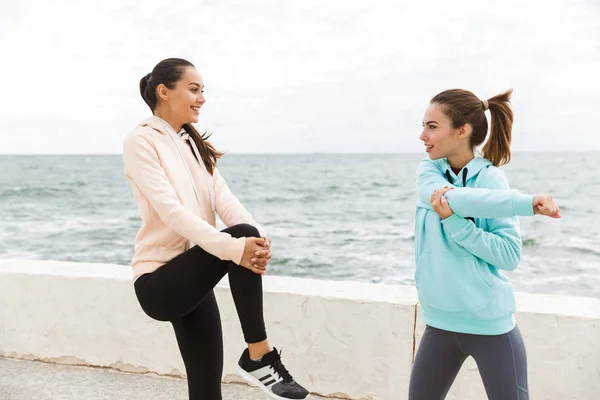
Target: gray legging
x,y
501,361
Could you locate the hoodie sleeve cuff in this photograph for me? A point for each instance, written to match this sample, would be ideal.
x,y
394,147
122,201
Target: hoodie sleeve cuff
x,y
236,249
454,223
523,205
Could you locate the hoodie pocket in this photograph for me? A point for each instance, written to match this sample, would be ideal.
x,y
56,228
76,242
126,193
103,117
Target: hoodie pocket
x,y
450,283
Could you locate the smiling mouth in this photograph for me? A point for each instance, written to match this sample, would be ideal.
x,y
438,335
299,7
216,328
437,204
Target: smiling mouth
x,y
428,148
197,109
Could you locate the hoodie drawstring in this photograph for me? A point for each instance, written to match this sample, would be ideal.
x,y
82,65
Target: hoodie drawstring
x,y
449,177
186,137
192,143
464,179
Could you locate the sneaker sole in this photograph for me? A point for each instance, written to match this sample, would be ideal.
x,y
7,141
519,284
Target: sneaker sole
x,y
255,382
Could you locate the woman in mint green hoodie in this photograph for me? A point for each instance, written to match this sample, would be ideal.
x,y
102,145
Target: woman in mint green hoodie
x,y
466,235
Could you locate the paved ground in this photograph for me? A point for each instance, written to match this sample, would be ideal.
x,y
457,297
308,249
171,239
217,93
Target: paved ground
x,y
27,380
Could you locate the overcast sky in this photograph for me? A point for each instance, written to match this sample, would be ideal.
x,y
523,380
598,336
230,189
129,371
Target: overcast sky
x,y
297,76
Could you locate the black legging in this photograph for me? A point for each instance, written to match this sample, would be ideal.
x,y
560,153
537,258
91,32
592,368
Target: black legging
x,y
501,361
181,291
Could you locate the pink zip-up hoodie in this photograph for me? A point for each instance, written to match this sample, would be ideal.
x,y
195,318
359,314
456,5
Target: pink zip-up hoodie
x,y
177,199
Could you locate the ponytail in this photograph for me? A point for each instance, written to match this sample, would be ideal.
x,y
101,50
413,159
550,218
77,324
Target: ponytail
x,y
147,92
207,151
497,147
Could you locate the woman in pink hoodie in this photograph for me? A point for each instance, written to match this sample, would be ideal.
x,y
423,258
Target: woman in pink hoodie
x,y
180,255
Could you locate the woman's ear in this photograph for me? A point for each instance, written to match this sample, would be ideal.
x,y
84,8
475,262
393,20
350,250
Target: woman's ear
x,y
162,92
465,131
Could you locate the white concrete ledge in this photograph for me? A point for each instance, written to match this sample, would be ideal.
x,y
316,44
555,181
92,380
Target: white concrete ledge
x,y
343,339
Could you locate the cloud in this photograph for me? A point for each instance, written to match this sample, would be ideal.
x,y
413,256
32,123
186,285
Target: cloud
x,y
285,76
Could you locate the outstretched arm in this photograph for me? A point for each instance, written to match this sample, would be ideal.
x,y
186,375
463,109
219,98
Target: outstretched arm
x,y
472,202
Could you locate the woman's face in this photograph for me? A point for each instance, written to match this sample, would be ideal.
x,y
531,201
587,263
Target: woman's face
x,y
186,98
439,137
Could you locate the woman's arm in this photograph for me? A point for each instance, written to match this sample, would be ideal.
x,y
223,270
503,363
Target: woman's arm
x,y
472,202
500,246
142,165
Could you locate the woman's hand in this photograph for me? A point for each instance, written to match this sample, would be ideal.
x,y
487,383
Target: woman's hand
x,y
544,204
263,256
256,255
267,240
440,204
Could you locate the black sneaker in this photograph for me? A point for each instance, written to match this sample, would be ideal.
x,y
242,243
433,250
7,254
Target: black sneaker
x,y
270,375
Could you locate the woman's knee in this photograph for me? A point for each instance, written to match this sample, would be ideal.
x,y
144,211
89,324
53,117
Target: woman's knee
x,y
242,230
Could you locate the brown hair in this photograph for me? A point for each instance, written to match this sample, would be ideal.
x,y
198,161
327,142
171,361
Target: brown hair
x,y
463,107
168,72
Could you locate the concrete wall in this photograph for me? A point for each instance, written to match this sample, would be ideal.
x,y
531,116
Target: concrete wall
x,y
339,338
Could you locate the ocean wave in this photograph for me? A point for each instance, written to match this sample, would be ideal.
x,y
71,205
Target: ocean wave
x,y
585,249
275,199
313,197
403,234
354,231
37,192
390,184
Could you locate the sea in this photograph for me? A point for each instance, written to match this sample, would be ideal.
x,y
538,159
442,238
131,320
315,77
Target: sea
x,y
330,216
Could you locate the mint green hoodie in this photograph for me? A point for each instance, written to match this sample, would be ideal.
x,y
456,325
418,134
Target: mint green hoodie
x,y
460,260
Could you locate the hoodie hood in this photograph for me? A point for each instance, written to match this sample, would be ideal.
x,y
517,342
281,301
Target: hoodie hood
x,y
469,171
159,125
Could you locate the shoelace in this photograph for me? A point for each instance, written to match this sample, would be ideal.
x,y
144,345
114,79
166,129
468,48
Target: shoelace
x,y
280,369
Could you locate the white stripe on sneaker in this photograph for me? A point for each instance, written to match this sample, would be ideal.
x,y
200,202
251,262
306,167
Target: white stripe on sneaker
x,y
263,374
255,382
